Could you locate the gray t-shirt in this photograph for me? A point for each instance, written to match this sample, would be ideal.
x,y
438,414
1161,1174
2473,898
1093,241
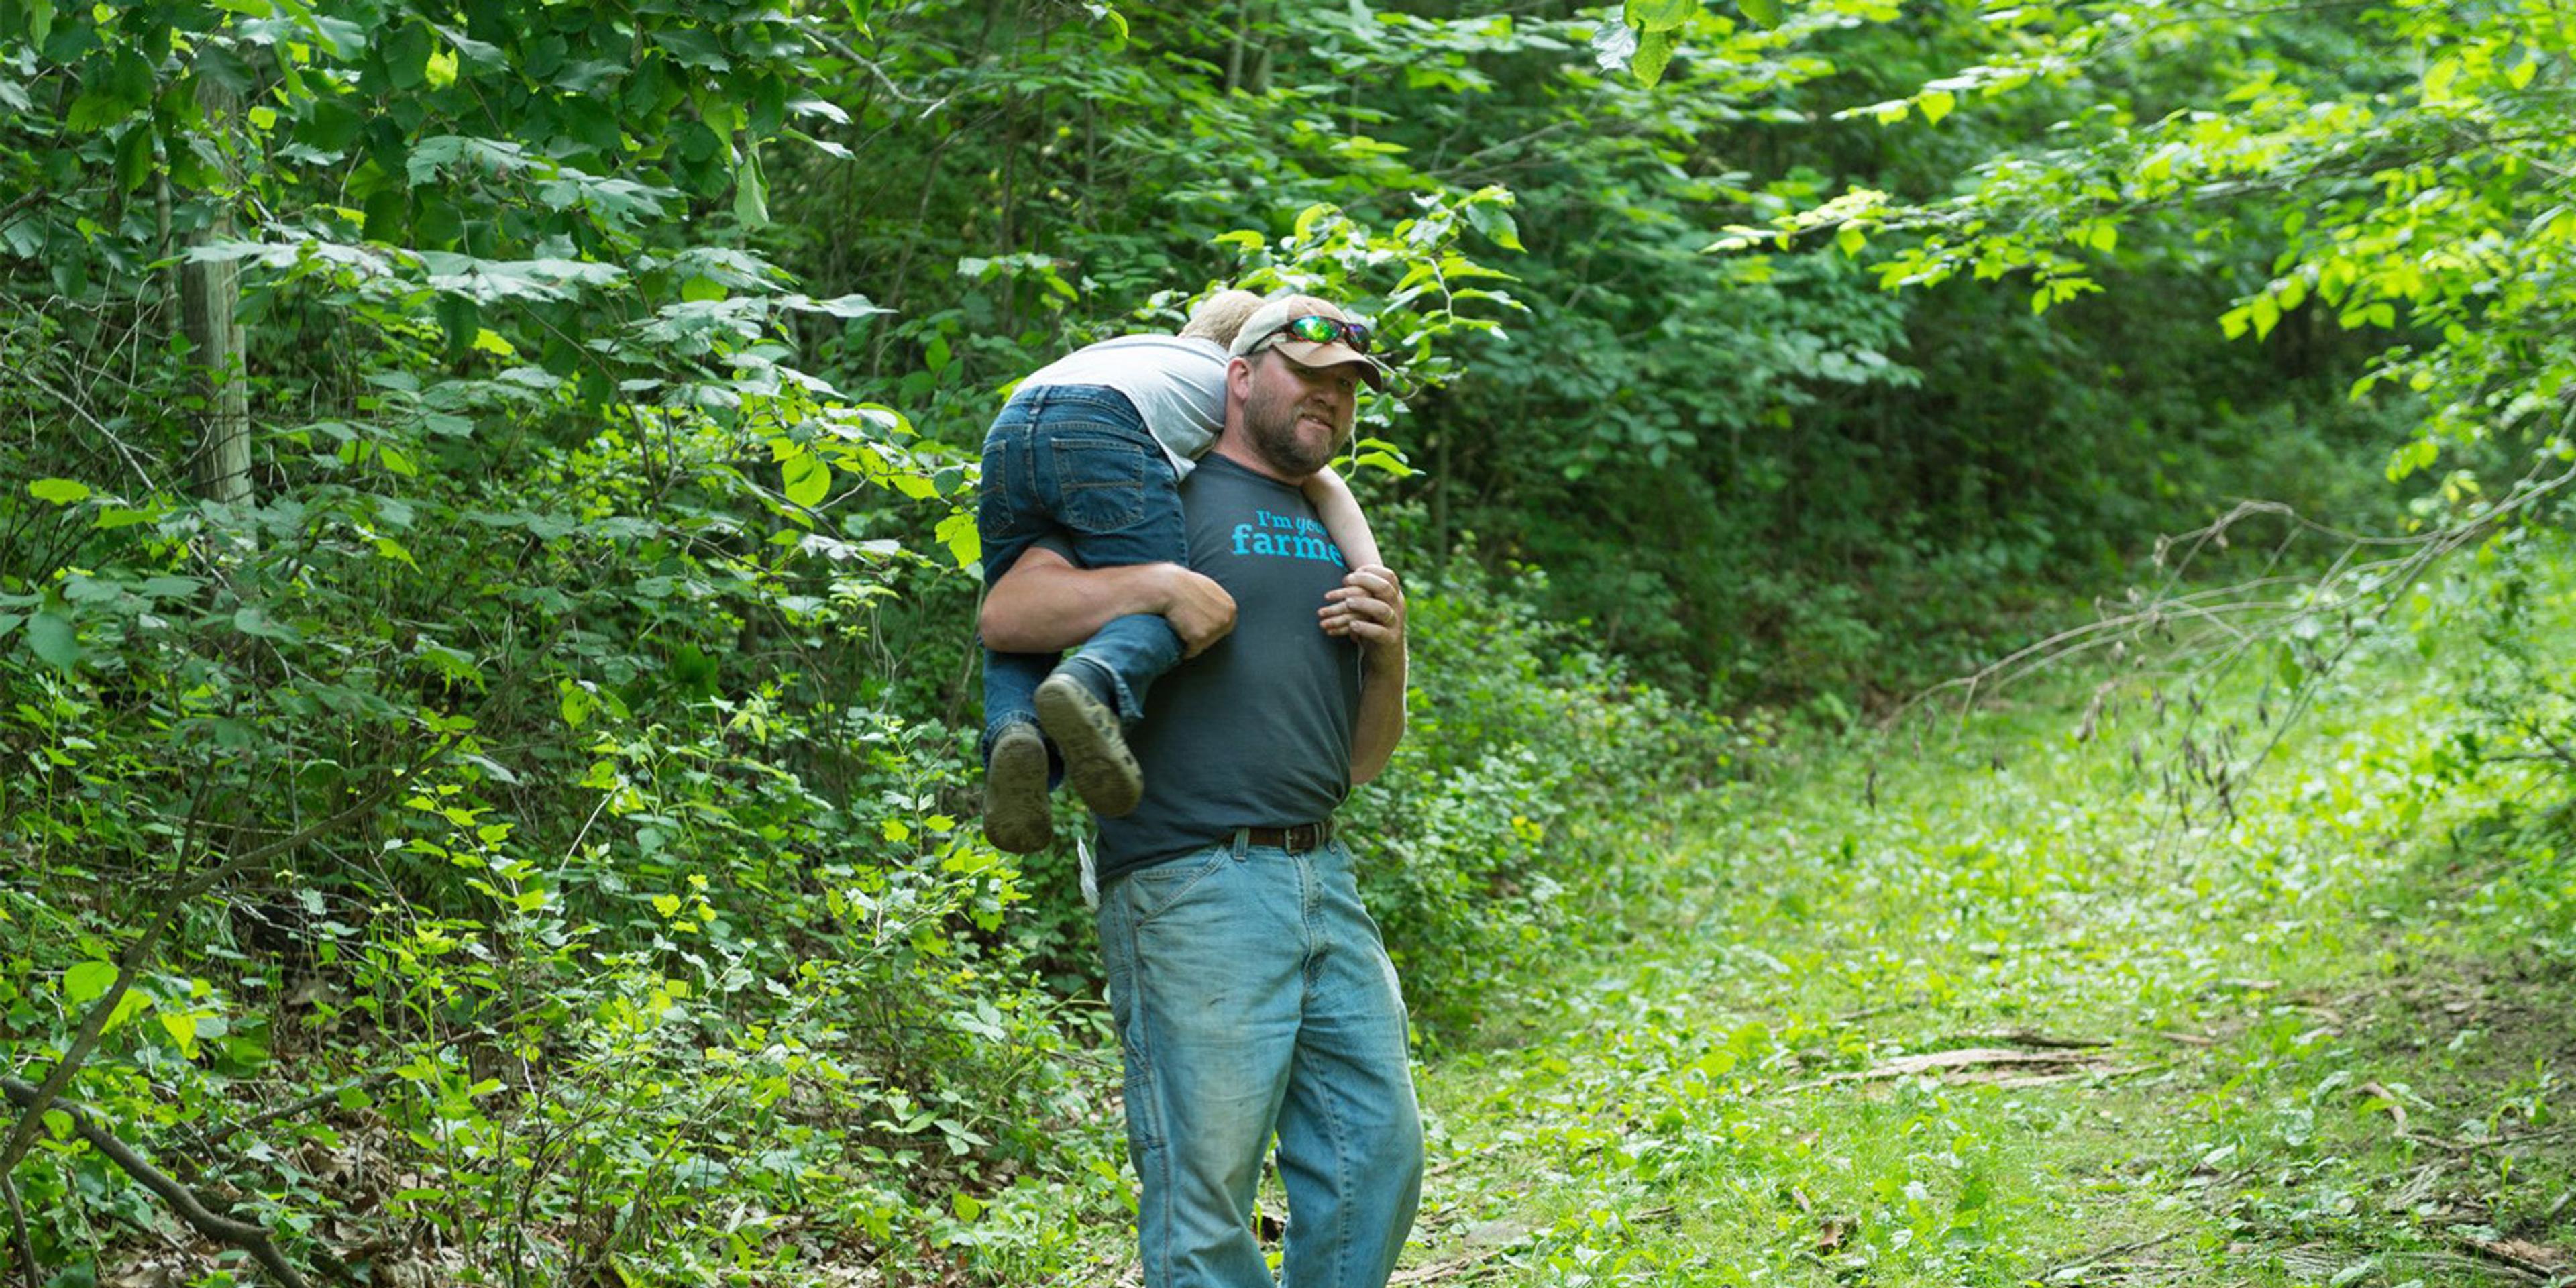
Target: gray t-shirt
x,y
1176,384
1256,731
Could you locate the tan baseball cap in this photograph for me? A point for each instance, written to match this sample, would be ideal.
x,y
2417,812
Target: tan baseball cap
x,y
1264,329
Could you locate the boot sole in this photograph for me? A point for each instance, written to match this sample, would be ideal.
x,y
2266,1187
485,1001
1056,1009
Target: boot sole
x,y
1094,747
1016,817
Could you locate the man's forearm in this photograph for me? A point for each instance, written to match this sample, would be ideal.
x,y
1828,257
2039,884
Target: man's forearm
x,y
1045,605
1381,718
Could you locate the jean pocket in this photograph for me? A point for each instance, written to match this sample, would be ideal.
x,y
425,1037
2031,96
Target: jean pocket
x,y
1100,483
1156,890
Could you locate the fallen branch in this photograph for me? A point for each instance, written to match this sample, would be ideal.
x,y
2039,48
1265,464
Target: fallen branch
x,y
248,1236
2100,1255
2029,1040
2387,1100
1959,1060
2482,1266
2472,1146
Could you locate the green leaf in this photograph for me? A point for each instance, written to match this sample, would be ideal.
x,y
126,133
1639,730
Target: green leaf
x,y
406,54
692,48
134,157
957,532
1495,223
1659,15
1935,103
95,110
807,480
1765,13
88,981
1654,53
750,192
254,620
53,638
1385,461
59,491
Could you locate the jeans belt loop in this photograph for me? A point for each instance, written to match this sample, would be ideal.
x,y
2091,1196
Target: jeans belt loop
x,y
1242,843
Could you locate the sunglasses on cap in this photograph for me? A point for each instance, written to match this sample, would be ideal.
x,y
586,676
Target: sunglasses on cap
x,y
1315,328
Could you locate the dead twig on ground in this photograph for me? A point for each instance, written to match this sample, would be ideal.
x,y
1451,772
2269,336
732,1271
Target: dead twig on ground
x,y
1965,1061
2387,1100
2100,1255
2030,1040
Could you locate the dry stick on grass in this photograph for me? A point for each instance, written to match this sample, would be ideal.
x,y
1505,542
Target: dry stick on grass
x,y
2029,1040
1955,1060
2100,1255
2517,1255
247,1236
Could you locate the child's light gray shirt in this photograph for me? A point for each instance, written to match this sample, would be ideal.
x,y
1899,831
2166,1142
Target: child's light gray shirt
x,y
1177,385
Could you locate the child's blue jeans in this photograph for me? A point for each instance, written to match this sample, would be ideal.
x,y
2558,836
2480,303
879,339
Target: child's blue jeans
x,y
1075,462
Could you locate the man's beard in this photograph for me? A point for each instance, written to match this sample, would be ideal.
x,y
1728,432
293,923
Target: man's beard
x,y
1273,432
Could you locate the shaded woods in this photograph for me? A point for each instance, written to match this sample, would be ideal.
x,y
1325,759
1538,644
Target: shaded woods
x,y
486,544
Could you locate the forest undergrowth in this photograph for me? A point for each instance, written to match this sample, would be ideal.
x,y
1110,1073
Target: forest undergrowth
x,y
1976,1002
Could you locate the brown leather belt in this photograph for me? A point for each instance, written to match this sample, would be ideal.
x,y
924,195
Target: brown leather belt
x,y
1303,837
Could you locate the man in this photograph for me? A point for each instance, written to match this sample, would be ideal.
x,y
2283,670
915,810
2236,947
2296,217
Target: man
x,y
1251,991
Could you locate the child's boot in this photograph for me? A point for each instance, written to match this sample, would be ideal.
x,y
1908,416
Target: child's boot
x,y
1089,736
1016,817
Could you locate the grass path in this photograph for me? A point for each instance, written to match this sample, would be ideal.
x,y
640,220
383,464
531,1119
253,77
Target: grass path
x,y
1989,1012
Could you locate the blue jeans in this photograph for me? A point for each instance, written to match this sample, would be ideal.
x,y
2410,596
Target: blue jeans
x,y
1074,462
1252,994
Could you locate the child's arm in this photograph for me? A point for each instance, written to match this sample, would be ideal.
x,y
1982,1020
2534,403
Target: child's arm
x,y
1340,512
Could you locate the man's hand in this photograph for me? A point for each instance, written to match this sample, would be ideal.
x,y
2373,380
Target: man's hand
x,y
1199,609
1369,607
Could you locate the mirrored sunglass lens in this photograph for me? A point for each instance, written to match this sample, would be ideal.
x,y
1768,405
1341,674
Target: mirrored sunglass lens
x,y
1312,329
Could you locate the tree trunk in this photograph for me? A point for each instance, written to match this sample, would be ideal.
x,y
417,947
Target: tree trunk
x,y
209,297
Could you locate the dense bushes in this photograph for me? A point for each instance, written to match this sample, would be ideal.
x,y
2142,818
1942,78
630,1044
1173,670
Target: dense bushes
x,y
1538,774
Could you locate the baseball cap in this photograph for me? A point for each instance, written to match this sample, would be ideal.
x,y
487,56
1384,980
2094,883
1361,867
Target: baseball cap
x,y
1265,323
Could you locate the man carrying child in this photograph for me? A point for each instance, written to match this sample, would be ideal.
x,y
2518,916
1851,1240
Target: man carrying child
x,y
1251,991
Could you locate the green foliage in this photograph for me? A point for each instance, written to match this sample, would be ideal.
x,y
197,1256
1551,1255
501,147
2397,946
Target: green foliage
x,y
1511,815
2318,1036
596,625
2407,156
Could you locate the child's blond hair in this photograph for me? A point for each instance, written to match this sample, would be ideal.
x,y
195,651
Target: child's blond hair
x,y
1221,316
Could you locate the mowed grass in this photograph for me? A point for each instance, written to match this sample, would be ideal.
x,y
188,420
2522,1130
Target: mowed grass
x,y
2318,1035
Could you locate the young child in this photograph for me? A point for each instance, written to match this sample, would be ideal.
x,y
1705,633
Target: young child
x,y
1091,449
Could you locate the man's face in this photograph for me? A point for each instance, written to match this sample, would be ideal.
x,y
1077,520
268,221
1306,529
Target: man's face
x,y
1299,417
